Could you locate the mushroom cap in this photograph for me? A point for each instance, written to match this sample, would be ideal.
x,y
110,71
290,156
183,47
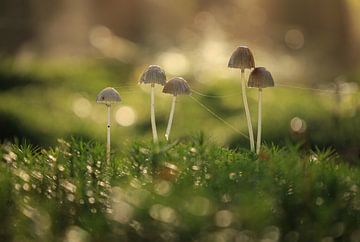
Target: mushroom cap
x,y
154,75
177,86
108,95
260,78
242,58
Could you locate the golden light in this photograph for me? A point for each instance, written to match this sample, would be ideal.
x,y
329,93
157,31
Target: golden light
x,y
100,36
294,39
223,218
174,62
82,107
125,116
298,125
76,234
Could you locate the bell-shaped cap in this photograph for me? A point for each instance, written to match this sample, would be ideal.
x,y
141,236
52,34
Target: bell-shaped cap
x,y
260,78
177,86
242,58
153,75
108,95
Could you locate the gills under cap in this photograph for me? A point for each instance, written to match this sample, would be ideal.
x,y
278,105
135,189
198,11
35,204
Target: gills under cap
x,y
108,95
177,86
260,78
242,58
153,75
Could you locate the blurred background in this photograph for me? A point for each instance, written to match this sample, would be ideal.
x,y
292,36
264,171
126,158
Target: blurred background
x,y
55,56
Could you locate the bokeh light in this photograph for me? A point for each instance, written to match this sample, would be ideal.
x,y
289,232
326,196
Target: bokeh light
x,y
174,62
82,107
298,125
125,116
223,218
294,39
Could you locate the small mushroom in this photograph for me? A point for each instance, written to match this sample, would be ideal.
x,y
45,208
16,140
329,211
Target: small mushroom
x,y
153,75
242,58
260,78
176,86
108,96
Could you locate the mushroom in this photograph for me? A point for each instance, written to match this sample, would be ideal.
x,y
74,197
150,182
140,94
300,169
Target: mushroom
x,y
153,75
108,96
260,78
176,86
242,58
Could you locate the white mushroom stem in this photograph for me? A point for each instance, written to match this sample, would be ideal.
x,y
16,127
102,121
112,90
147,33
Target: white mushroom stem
x,y
258,140
108,133
171,117
152,110
247,112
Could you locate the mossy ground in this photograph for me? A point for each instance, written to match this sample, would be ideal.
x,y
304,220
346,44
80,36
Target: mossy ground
x,y
189,190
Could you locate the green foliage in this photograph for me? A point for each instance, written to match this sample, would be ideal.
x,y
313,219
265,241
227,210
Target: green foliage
x,y
189,190
42,99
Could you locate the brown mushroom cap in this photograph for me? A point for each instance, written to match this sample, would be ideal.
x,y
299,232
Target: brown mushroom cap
x,y
260,78
108,95
242,58
177,86
154,75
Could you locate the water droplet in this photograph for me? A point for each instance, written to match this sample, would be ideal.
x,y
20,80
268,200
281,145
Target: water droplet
x,y
68,186
89,169
195,167
17,186
232,176
11,156
61,168
37,175
89,193
70,197
193,150
52,158
23,175
26,187
91,200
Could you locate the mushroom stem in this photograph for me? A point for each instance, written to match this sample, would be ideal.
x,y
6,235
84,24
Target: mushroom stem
x,y
258,140
247,112
152,110
108,134
171,117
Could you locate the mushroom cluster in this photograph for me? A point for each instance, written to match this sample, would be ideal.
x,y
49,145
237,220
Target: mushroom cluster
x,y
242,58
260,78
176,86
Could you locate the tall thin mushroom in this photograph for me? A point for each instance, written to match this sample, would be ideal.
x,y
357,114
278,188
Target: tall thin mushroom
x,y
260,78
153,75
243,58
176,86
108,96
